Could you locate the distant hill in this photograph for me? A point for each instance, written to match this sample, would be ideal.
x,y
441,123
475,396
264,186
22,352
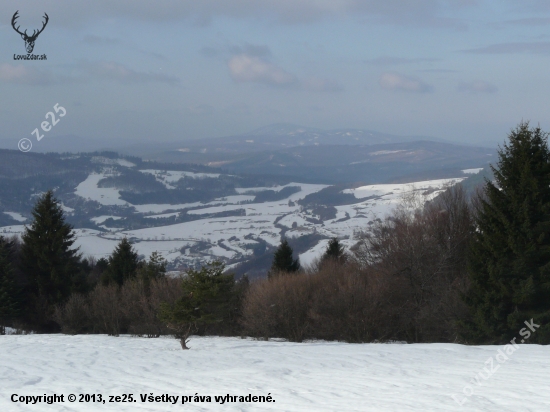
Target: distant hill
x,y
302,153
344,163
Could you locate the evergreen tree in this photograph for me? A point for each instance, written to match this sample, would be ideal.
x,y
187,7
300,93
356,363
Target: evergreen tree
x,y
283,261
48,259
9,293
123,264
209,296
509,264
334,252
153,269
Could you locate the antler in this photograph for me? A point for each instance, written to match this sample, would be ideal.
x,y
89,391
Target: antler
x,y
13,19
43,26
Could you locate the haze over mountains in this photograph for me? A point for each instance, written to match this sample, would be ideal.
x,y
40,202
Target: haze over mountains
x,y
306,154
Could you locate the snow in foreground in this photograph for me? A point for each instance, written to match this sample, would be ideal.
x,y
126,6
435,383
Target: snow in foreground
x,y
317,376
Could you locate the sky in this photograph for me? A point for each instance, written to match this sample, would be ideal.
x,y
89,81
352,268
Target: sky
x,y
170,70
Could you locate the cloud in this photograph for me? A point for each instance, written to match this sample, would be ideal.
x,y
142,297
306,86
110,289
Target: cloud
x,y
225,51
156,55
477,86
24,75
512,48
72,13
98,40
251,63
256,50
534,21
315,84
244,68
439,70
122,74
201,110
391,61
394,81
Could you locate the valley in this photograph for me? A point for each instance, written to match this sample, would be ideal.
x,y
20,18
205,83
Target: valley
x,y
192,217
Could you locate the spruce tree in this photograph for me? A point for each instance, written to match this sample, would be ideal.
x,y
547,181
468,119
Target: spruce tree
x,y
123,264
48,258
9,292
283,261
334,252
154,268
509,265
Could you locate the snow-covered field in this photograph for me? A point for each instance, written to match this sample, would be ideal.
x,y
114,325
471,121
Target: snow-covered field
x,y
314,376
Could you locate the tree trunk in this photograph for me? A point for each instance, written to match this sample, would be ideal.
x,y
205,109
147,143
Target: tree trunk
x,y
184,336
183,343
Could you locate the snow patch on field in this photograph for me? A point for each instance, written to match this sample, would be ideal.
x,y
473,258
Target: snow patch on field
x,y
16,216
15,230
173,176
472,171
88,189
162,216
399,189
385,152
107,161
301,377
100,219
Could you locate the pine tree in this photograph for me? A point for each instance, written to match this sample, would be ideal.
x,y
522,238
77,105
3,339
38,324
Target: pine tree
x,y
334,252
509,265
9,293
123,264
209,296
48,259
283,261
154,268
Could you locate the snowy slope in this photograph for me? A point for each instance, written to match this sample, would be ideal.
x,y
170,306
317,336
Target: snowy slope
x,y
316,376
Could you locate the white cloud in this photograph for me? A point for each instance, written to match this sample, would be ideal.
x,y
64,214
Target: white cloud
x,y
542,47
123,74
315,84
477,86
99,40
10,73
245,68
394,81
390,61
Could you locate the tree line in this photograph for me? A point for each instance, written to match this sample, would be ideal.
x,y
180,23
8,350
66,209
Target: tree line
x,y
468,268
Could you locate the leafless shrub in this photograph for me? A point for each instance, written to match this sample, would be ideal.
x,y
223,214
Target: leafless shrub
x,y
423,254
278,307
140,302
74,317
131,308
106,310
346,304
336,302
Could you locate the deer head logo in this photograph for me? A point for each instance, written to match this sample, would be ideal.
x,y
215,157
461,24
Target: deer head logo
x,y
29,40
